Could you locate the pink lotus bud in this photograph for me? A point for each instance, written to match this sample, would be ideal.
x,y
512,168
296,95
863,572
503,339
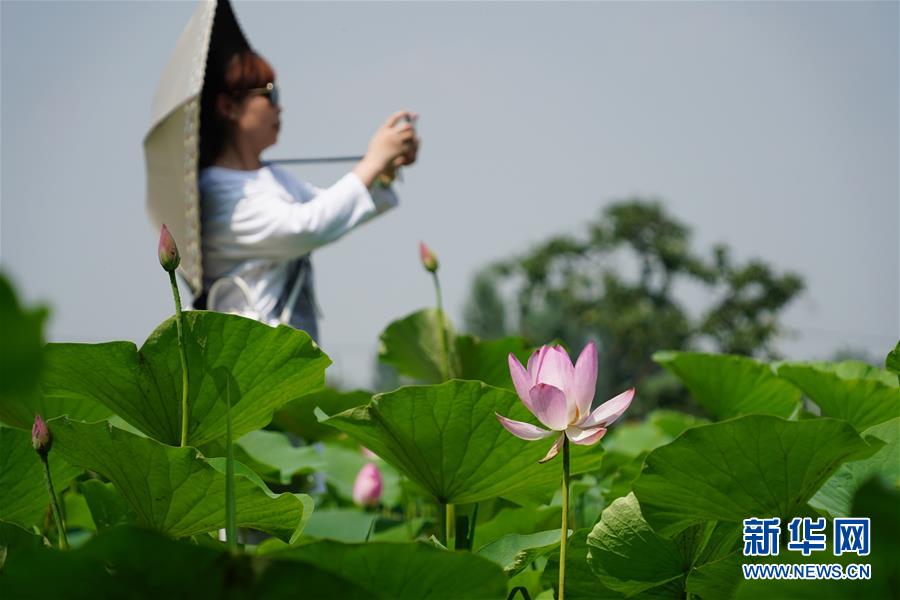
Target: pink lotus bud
x,y
369,454
168,251
429,260
368,485
40,436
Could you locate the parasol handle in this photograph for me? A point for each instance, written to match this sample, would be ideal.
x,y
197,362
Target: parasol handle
x,y
309,161
331,159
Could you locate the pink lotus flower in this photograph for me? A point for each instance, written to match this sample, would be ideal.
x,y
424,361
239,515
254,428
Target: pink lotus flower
x,y
560,395
368,485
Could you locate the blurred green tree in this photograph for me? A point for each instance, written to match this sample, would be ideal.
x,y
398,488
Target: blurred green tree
x,y
616,284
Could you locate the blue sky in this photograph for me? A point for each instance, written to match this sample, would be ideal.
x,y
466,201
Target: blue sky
x,y
772,127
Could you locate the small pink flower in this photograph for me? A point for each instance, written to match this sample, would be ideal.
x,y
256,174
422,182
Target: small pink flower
x,y
429,260
560,395
40,436
168,251
368,485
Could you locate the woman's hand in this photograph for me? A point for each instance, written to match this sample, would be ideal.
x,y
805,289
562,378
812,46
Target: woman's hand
x,y
408,157
394,144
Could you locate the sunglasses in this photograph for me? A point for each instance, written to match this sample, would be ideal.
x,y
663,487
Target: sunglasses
x,y
270,91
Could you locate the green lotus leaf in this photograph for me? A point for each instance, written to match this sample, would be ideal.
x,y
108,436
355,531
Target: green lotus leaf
x,y
298,416
753,466
659,428
21,364
108,507
629,557
77,513
23,493
271,367
272,456
892,362
836,496
851,390
173,490
412,345
728,386
516,551
517,520
14,539
614,478
715,579
128,562
415,571
581,582
340,524
20,412
20,344
400,530
448,441
487,360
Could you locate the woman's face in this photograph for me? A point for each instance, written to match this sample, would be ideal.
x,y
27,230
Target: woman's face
x,y
257,122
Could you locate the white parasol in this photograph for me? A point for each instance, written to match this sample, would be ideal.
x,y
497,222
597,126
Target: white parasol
x,y
171,147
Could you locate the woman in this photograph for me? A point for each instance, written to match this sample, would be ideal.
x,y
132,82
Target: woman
x,y
259,224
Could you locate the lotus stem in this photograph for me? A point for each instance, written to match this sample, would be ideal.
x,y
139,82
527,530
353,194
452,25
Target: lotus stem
x,y
409,508
230,505
184,368
565,521
371,527
470,539
54,505
445,343
449,524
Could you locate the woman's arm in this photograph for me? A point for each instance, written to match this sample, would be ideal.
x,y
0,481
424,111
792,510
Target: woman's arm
x,y
257,222
265,225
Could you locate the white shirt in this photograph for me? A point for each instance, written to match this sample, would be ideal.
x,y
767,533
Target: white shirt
x,y
254,224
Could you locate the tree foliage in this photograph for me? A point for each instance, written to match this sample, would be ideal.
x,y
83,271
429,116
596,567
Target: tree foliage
x,y
620,282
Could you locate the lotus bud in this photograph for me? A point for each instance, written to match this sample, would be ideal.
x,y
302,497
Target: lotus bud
x,y
368,485
168,251
429,260
369,454
40,436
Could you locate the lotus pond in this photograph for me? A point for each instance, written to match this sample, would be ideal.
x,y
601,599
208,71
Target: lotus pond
x,y
273,484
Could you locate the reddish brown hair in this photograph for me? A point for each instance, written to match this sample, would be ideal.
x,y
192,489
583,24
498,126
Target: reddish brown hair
x,y
243,70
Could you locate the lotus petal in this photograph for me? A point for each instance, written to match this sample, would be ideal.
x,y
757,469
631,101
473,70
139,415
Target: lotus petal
x,y
554,449
521,379
548,403
585,437
584,382
555,369
609,411
526,431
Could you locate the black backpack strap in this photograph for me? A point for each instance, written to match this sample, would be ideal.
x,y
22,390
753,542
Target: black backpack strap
x,y
199,302
291,280
294,270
